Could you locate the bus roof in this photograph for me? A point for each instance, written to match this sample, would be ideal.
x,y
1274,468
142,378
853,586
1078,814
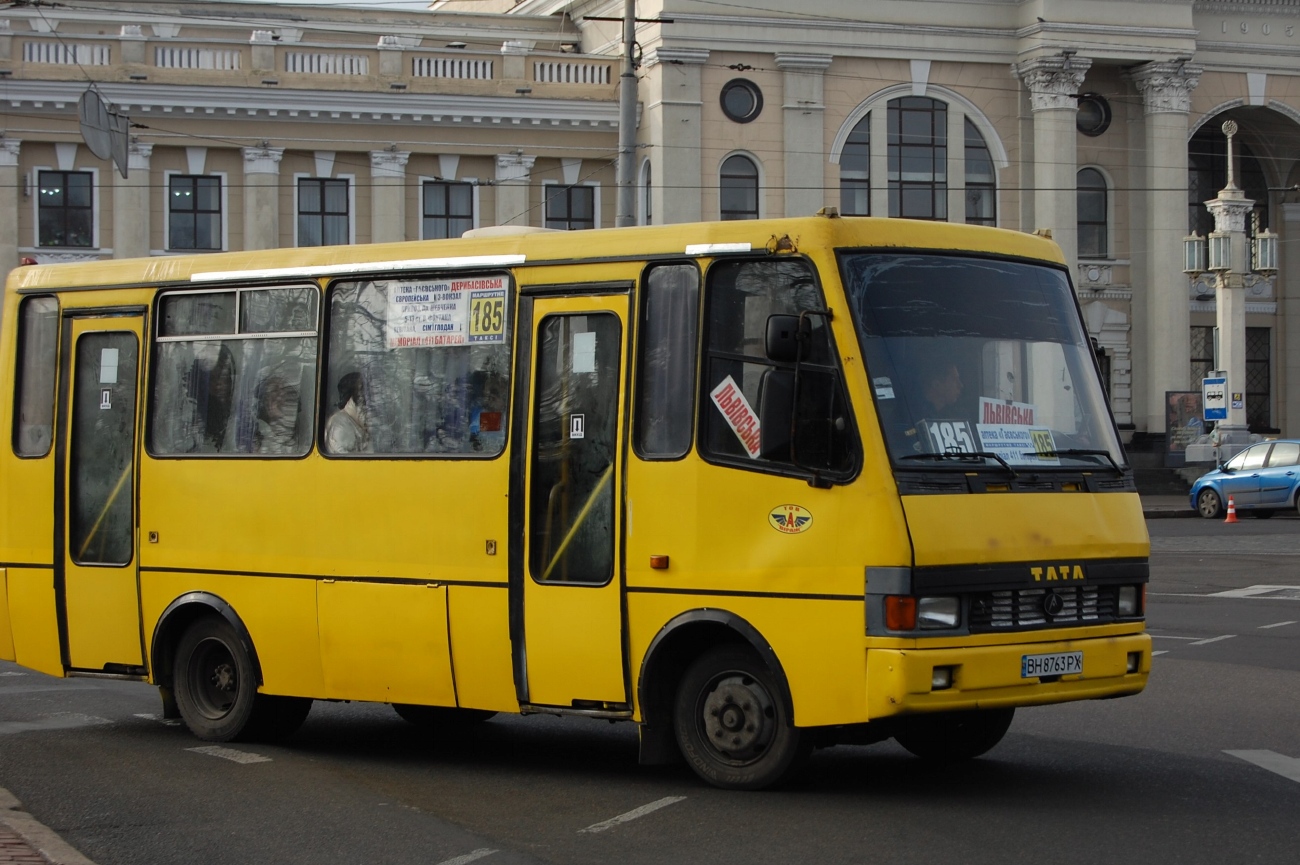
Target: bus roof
x,y
681,239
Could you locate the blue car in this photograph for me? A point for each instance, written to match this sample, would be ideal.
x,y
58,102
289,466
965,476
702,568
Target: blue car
x,y
1262,480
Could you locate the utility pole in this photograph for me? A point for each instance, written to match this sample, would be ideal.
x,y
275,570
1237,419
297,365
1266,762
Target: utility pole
x,y
627,122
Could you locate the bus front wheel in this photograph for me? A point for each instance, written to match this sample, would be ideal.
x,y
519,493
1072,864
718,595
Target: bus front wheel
x,y
216,689
731,727
952,736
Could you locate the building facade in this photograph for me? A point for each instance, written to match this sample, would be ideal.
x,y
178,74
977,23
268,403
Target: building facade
x,y
1095,119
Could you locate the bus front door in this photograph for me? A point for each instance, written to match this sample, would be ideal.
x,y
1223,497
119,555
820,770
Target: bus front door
x,y
572,651
98,588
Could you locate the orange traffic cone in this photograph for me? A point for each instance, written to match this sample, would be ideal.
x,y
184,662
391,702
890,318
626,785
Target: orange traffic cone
x,y
1232,512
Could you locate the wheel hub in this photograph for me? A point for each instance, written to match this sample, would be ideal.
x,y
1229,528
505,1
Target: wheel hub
x,y
738,716
223,677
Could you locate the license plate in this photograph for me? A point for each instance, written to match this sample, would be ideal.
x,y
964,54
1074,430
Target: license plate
x,y
1057,664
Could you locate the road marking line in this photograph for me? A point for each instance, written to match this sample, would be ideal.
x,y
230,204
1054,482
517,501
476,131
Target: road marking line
x,y
632,815
1171,637
1277,624
1161,652
170,722
1271,593
1212,640
66,721
8,673
230,754
1287,767
472,856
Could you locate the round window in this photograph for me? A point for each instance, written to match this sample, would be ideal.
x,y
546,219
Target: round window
x,y
742,101
1094,114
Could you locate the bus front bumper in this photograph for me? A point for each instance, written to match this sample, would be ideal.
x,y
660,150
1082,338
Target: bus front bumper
x,y
902,681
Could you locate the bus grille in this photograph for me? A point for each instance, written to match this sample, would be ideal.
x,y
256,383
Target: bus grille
x,y
1023,609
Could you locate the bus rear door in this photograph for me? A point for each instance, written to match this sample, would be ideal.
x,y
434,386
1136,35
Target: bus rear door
x,y
97,588
570,587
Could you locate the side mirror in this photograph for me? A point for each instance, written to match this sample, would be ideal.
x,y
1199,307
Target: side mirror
x,y
781,341
775,409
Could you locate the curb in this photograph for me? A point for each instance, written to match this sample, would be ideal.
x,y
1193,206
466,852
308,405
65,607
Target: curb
x,y
35,834
1167,514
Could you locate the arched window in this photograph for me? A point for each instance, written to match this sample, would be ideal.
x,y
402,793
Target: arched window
x,y
981,181
1093,226
738,189
855,170
918,158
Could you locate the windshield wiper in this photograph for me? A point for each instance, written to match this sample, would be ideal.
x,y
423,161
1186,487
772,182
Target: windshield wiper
x,y
966,456
1079,452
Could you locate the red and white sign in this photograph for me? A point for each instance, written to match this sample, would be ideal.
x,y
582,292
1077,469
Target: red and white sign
x,y
730,400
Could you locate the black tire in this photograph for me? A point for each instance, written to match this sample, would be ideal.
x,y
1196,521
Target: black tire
x,y
216,689
1262,513
952,736
1208,504
731,725
442,717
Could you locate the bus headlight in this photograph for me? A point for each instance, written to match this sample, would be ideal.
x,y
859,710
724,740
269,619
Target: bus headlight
x,y
938,613
1129,602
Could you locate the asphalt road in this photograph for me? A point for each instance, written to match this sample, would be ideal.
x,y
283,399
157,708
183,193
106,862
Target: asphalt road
x,y
1141,779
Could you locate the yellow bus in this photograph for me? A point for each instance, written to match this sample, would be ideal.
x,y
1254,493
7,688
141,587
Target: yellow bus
x,y
755,486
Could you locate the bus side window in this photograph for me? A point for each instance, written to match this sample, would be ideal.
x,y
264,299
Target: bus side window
x,y
235,372
739,375
38,340
418,367
666,372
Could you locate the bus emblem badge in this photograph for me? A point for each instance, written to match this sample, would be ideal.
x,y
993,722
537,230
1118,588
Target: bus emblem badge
x,y
791,519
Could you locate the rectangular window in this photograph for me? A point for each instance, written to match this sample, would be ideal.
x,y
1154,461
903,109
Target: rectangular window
x,y
322,212
235,372
917,153
743,385
570,208
432,382
666,372
1202,353
193,212
448,209
101,462
1258,380
38,343
66,208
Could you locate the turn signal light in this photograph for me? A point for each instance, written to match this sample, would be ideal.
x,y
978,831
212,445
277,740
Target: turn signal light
x,y
900,612
659,563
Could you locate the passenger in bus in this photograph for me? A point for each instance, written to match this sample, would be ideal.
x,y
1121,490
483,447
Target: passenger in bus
x,y
346,431
940,389
221,390
277,415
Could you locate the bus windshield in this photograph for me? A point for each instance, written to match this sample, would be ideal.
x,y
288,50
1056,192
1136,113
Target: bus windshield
x,y
979,357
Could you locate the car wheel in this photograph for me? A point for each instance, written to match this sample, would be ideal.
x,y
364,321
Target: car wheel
x,y
952,736
1208,504
731,725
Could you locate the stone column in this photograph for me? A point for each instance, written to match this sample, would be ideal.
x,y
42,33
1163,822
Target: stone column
x,y
131,208
675,110
514,173
262,197
388,195
1289,282
1166,89
9,186
805,148
1053,84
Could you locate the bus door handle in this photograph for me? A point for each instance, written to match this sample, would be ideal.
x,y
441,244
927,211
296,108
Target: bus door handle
x,y
327,580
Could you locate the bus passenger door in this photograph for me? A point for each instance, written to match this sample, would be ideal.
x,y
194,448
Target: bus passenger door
x,y
572,577
96,523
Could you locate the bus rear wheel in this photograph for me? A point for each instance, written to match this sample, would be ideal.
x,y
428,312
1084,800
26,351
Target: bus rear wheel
x,y
953,736
730,725
216,689
441,717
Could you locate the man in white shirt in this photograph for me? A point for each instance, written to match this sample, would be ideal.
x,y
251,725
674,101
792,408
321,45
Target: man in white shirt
x,y
345,431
